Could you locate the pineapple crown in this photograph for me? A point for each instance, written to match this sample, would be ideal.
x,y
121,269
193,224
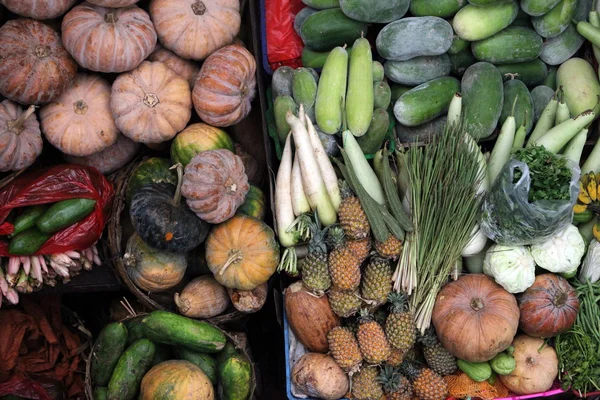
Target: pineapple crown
x,y
365,316
345,190
336,237
429,338
410,369
317,242
389,378
399,303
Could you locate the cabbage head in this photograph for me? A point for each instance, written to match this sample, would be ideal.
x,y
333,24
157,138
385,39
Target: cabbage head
x,y
512,267
561,253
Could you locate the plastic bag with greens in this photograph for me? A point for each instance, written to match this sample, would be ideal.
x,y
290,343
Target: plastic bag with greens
x,y
519,209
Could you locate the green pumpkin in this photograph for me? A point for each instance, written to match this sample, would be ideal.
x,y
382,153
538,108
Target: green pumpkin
x,y
152,170
197,138
255,203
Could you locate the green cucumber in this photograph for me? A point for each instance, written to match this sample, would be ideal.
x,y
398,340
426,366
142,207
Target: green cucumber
x,y
331,92
282,105
555,21
426,102
235,378
378,72
28,242
172,329
540,95
301,18
484,2
100,393
436,8
583,10
304,89
421,133
482,97
359,98
131,367
397,91
382,94
375,11
327,29
511,45
322,4
282,81
550,80
532,73
480,22
560,48
523,19
135,331
371,141
524,113
403,39
108,348
27,219
461,61
537,8
459,45
316,59
205,362
64,213
418,70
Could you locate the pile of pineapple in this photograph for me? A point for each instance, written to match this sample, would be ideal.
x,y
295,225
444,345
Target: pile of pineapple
x,y
378,344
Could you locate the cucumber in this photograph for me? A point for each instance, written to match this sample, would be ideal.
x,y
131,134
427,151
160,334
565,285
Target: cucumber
x,y
172,329
559,49
110,344
378,72
555,21
540,95
162,353
532,73
421,133
64,213
135,331
511,45
397,91
304,89
581,89
583,9
331,92
133,364
482,98
27,219
375,11
536,8
28,242
436,8
459,45
301,17
524,112
327,29
461,61
550,80
484,2
282,81
418,70
371,141
282,105
402,40
426,102
100,393
359,98
205,362
235,378
322,4
480,22
382,95
316,59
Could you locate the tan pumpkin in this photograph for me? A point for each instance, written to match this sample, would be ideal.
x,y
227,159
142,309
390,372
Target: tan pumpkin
x,y
151,104
215,185
110,159
108,39
203,297
225,86
186,69
113,3
194,29
176,379
38,9
20,137
79,122
242,252
35,68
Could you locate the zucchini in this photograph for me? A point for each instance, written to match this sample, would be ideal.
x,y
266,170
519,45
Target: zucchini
x,y
371,141
304,89
133,364
322,4
555,21
28,242
537,8
375,11
397,91
172,329
301,18
282,81
436,8
64,213
560,48
532,73
316,59
378,73
282,105
482,96
540,95
382,95
108,348
205,362
480,22
134,327
235,378
426,102
27,219
418,70
511,45
461,61
327,29
359,98
331,92
524,113
459,45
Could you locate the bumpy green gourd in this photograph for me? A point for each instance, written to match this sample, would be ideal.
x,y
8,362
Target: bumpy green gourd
x,y
478,372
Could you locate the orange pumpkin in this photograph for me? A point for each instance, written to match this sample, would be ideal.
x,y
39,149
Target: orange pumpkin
x,y
225,86
110,159
108,39
151,104
113,3
35,68
79,122
187,69
38,9
242,252
195,28
176,379
20,137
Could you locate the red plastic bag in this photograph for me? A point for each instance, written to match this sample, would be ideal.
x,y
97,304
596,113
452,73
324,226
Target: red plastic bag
x,y
61,182
24,387
284,46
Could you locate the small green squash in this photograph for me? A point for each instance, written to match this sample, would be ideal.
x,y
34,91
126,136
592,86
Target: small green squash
x,y
477,371
503,364
151,170
176,379
255,203
197,138
234,375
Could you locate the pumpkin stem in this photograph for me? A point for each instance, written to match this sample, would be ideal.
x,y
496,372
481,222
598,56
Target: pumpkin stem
x,y
477,304
177,197
560,299
199,8
110,18
16,126
80,107
151,100
41,51
235,256
129,260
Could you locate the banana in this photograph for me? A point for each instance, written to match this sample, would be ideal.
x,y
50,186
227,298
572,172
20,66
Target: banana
x,y
579,208
596,231
597,186
583,195
592,187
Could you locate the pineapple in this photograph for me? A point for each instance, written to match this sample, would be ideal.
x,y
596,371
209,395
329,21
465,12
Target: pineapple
x,y
396,357
400,325
376,284
351,214
373,344
344,349
365,385
315,273
361,248
344,266
437,357
395,386
427,385
391,248
344,303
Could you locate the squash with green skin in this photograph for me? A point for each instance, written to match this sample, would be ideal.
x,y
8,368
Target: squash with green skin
x,y
152,170
234,375
503,364
255,203
197,138
176,379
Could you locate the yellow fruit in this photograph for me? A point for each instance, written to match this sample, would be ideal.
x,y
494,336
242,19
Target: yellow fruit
x,y
597,186
592,187
579,208
596,231
583,195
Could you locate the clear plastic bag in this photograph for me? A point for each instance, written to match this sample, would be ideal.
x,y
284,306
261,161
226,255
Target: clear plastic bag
x,y
508,218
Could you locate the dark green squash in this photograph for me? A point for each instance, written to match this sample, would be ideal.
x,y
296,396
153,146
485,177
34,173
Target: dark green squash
x,y
254,204
152,170
165,222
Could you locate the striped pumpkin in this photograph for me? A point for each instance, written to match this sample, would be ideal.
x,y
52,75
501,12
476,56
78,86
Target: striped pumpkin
x,y
197,138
